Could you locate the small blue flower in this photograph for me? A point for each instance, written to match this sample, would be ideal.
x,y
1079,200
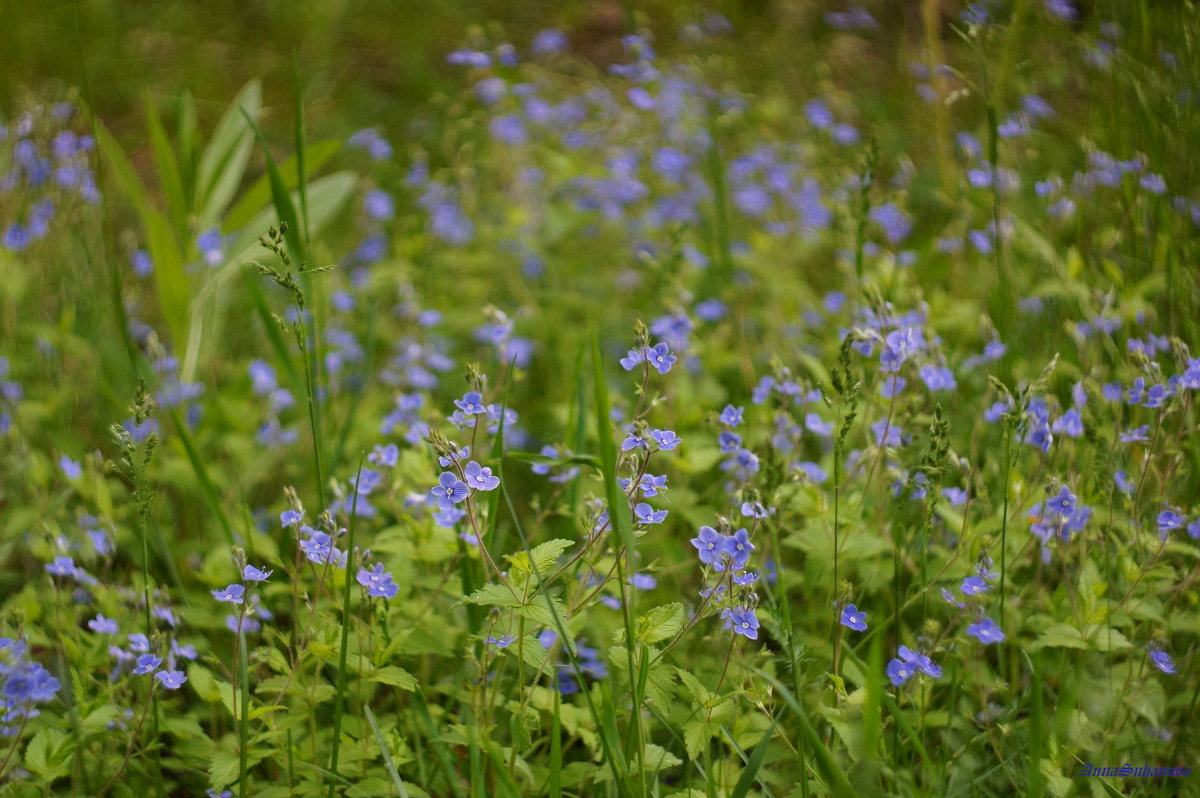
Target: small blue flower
x,y
643,513
378,582
659,356
634,357
738,547
854,619
1061,504
62,566
70,468
732,416
501,642
1162,660
471,403
449,491
291,517
643,581
454,457
147,663
172,680
974,585
234,594
103,626
634,441
480,478
666,439
252,574
986,631
711,545
743,621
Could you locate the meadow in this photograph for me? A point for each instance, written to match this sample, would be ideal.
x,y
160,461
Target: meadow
x,y
664,400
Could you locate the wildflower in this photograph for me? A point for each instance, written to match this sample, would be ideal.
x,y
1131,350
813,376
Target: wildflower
x,y
252,574
70,468
643,513
754,510
103,626
949,597
62,566
729,442
172,680
449,491
743,621
1137,435
852,618
974,585
986,631
1169,519
480,478
501,642
711,545
1162,660
659,356
454,456
634,441
899,672
471,403
738,547
378,582
666,439
1061,504
731,416
643,581
634,357
234,594
384,456
652,485
147,663
745,578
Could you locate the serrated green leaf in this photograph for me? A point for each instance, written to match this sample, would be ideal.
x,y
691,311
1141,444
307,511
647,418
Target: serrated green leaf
x,y
396,677
661,623
1060,635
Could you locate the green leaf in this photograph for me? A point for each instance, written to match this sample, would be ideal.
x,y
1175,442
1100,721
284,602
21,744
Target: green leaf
x,y
545,555
661,623
697,690
223,163
1060,635
396,677
696,734
746,780
45,754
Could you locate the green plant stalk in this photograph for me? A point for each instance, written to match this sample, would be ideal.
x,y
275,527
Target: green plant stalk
x,y
340,699
244,715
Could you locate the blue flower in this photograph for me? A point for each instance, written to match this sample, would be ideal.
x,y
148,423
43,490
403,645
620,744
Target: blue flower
x,y
1169,519
471,403
449,491
986,632
70,468
634,441
974,585
62,566
643,513
854,619
710,544
378,582
453,457
652,485
731,416
103,626
659,356
1061,504
385,456
899,672
743,621
643,581
745,578
147,663
480,478
1162,660
234,594
738,547
172,680
634,357
252,574
291,517
666,439
501,642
